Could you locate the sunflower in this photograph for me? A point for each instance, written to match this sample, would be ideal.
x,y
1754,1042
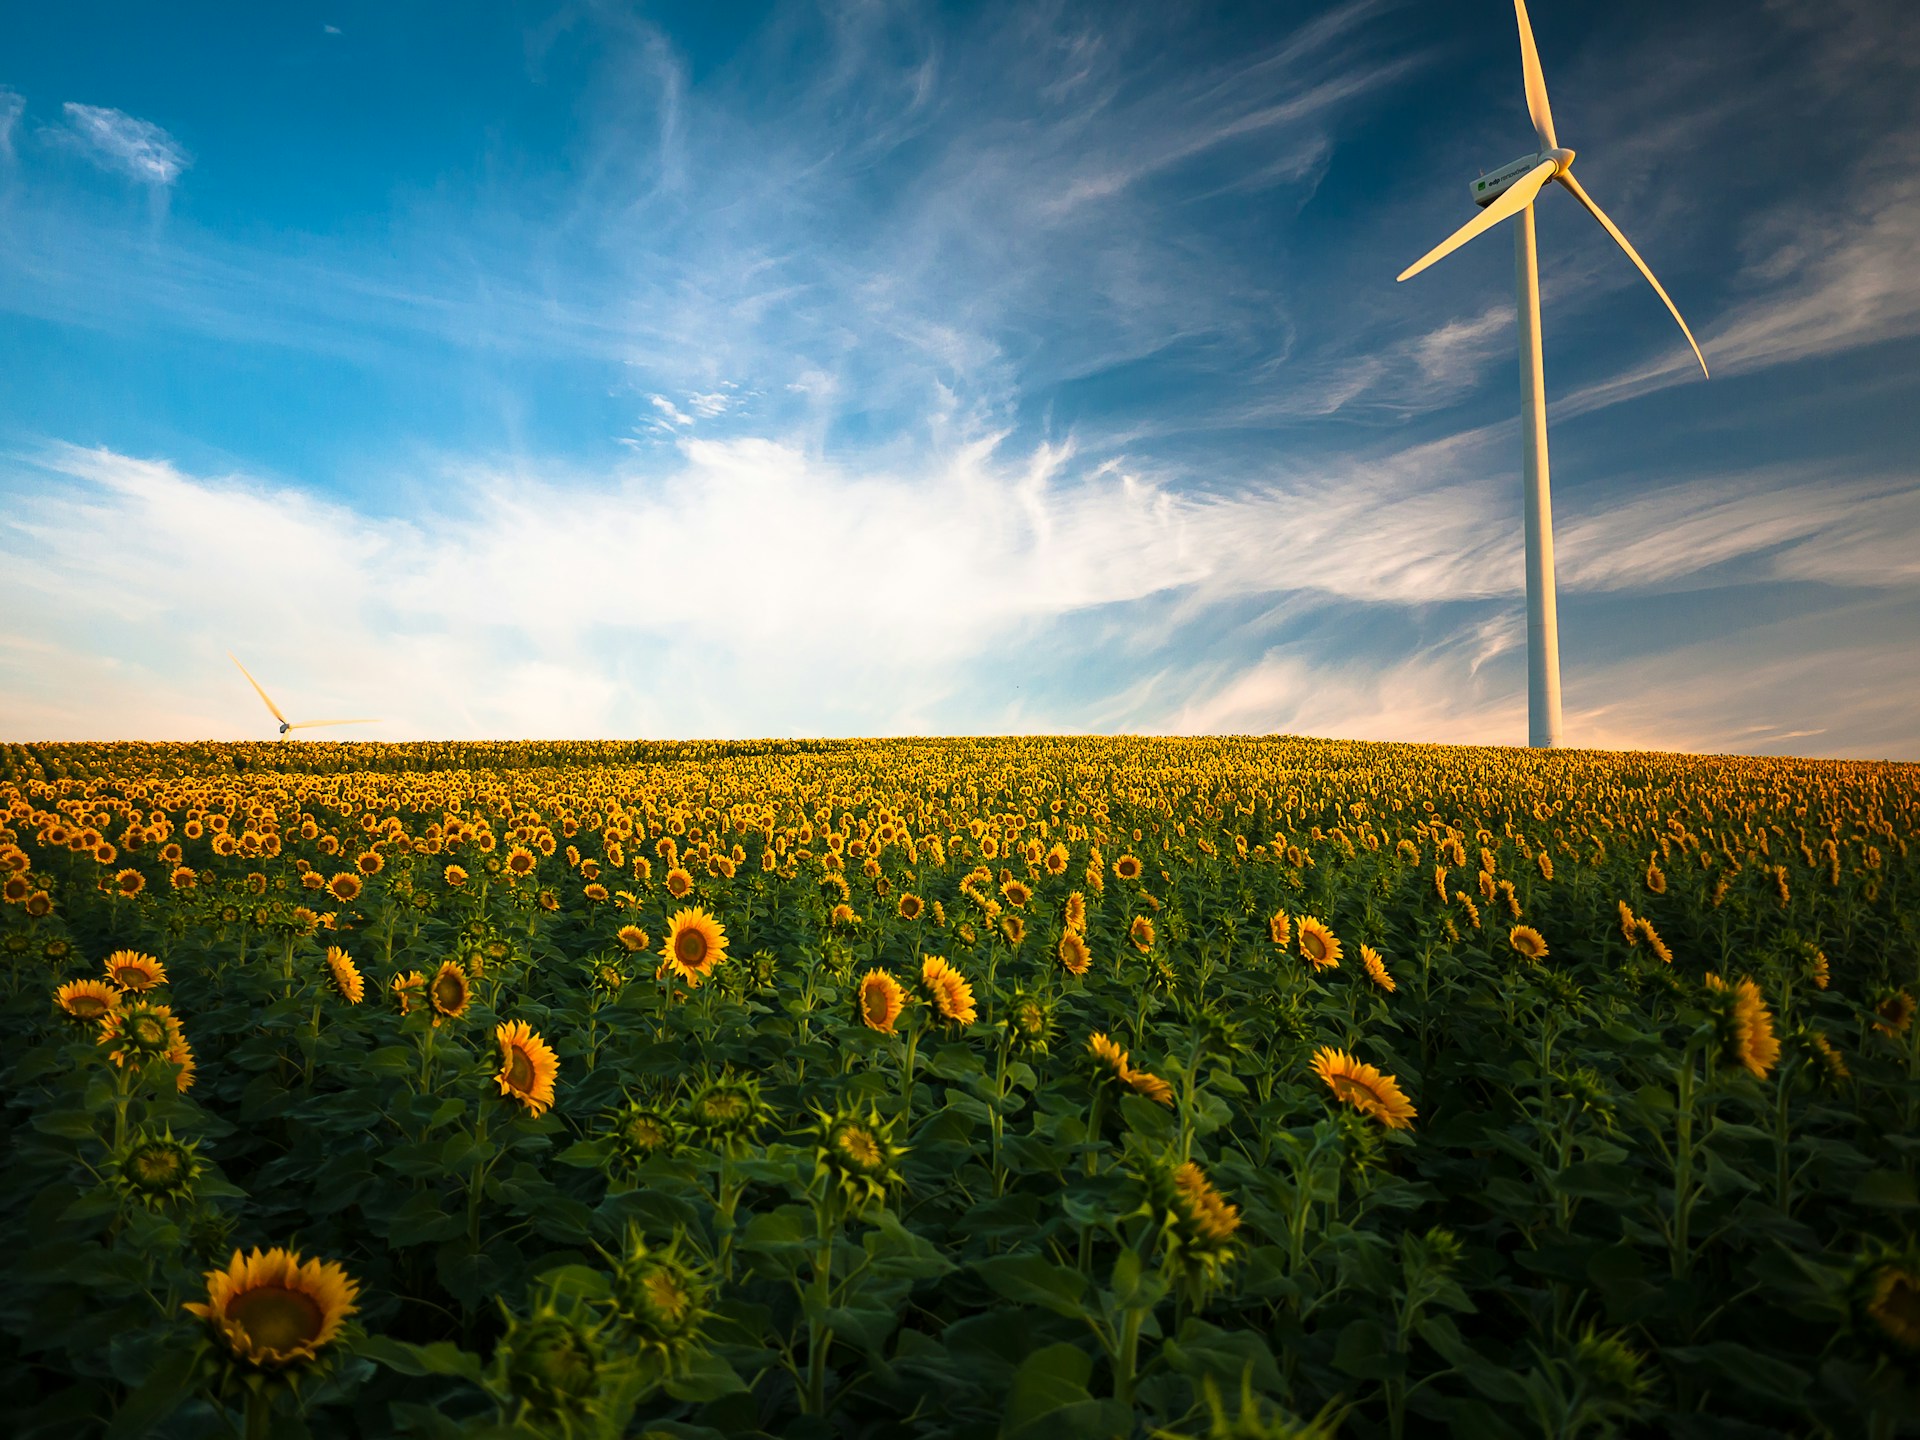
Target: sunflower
x,y
1318,944
407,988
660,1299
1203,1212
345,975
528,1066
1057,859
1895,1013
136,1032
1151,1086
131,970
679,882
372,862
1528,941
455,876
1141,933
450,992
520,862
640,1131
1748,1025
842,915
1376,968
1893,1303
1363,1087
87,1000
272,1310
155,1170
1013,929
1107,1056
947,991
1076,914
597,893
1016,893
1629,926
1127,867
1074,954
1656,880
695,943
857,1152
130,882
1280,929
633,939
1644,931
345,887
547,901
910,906
881,1000
16,889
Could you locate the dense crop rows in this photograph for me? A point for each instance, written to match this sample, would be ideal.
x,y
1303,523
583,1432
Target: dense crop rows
x,y
1002,1087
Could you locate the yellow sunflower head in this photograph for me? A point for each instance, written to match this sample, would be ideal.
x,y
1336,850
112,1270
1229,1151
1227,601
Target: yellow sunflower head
x,y
133,971
528,1066
947,991
86,1001
679,882
449,992
1745,1023
1528,942
345,975
129,882
1141,933
408,988
695,943
1127,867
633,939
1073,953
1376,968
856,1153
910,906
1364,1087
1076,913
1280,929
1318,945
882,998
272,1311
345,887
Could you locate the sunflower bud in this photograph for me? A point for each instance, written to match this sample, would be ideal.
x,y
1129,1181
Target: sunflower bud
x,y
659,1299
155,1170
551,1363
857,1154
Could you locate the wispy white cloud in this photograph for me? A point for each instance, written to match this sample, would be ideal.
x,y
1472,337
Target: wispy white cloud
x,y
12,106
136,148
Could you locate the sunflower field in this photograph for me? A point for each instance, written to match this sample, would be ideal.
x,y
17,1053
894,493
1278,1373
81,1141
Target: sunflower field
x,y
1024,1087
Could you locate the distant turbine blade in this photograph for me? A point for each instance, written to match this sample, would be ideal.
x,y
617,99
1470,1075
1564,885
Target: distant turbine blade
x,y
1511,203
309,724
257,690
1537,106
1633,255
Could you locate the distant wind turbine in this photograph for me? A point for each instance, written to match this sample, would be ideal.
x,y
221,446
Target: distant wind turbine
x,y
1507,192
286,724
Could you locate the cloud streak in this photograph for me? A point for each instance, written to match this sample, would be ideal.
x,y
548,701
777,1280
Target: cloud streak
x,y
136,148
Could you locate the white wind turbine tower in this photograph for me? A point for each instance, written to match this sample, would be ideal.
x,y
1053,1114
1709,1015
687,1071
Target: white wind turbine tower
x,y
286,724
1507,192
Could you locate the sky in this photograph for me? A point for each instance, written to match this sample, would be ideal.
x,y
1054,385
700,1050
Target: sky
x,y
850,367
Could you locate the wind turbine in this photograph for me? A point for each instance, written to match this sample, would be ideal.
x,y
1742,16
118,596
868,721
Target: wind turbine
x,y
1507,192
286,724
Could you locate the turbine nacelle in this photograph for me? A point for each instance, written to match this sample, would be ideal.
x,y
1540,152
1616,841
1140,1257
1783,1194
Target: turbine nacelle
x,y
1489,188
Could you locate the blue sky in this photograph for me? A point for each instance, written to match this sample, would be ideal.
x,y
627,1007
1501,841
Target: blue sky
x,y
763,369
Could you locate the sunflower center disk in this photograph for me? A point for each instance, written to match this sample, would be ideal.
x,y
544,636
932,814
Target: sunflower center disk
x,y
276,1319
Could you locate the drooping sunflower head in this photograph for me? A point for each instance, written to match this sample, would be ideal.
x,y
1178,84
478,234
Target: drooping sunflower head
x,y
133,971
1894,1011
449,992
1109,1060
1644,933
1365,1088
1151,1086
1280,929
947,991
1527,942
1629,926
1885,1298
272,1310
695,943
1376,969
86,1001
1141,933
345,975
1073,952
528,1066
155,1170
408,988
882,998
1318,945
633,939
1076,912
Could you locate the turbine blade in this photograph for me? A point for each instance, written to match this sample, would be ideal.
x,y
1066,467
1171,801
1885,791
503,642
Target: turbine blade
x,y
309,724
1537,106
257,690
1516,199
1641,265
